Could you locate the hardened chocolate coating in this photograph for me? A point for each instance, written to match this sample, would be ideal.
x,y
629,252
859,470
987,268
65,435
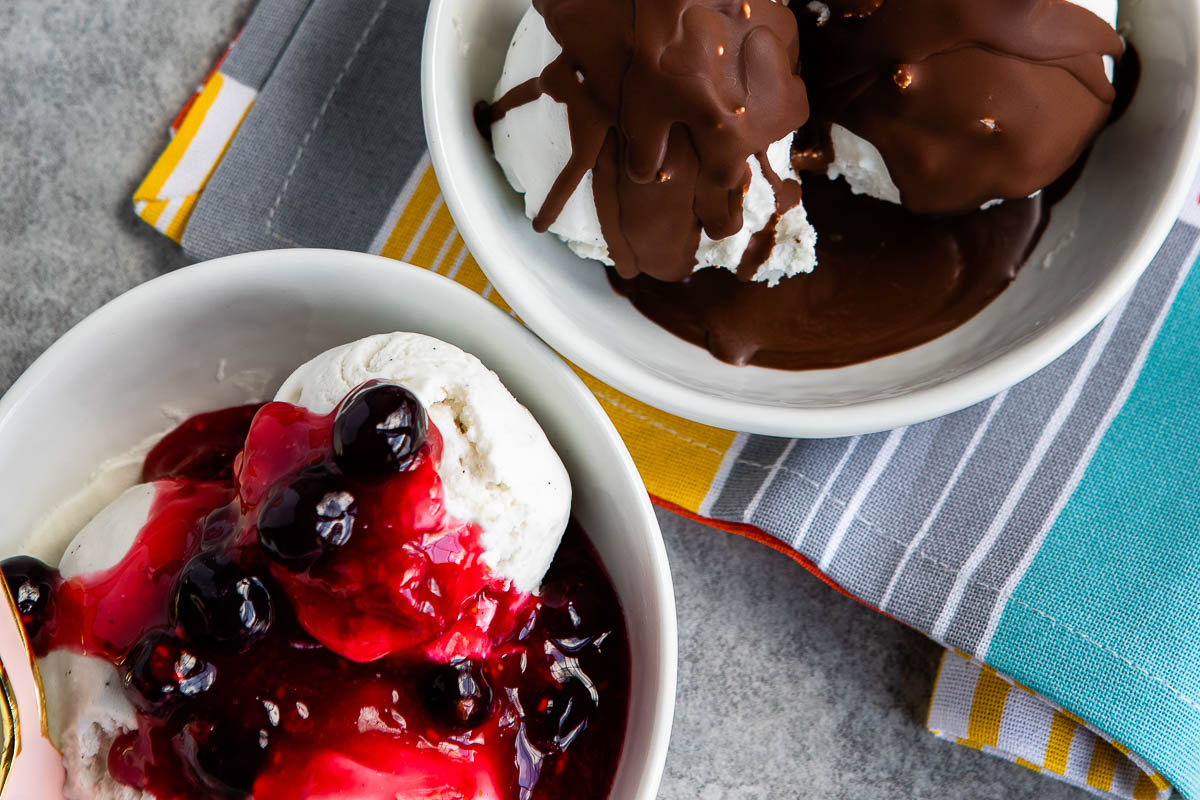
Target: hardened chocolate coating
x,y
667,100
967,100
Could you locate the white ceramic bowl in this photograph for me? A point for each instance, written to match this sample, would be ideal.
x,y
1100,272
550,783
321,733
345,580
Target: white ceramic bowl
x,y
195,339
1119,213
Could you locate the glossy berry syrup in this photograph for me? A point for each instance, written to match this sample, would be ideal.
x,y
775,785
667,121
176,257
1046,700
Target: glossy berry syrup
x,y
303,619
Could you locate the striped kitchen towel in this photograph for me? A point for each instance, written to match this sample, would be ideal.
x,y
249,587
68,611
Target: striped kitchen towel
x,y
1049,534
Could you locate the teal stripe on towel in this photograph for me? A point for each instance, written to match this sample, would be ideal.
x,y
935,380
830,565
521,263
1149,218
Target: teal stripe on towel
x,y
1107,620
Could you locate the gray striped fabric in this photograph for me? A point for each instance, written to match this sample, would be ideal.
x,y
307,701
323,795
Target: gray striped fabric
x,y
262,40
309,166
928,523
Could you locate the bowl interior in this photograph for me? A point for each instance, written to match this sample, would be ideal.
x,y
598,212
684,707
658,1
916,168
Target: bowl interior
x,y
228,332
1099,239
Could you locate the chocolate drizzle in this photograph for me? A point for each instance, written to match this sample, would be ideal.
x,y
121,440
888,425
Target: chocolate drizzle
x,y
787,197
666,101
967,100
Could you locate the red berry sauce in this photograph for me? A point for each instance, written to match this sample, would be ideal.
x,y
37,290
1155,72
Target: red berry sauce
x,y
380,659
202,447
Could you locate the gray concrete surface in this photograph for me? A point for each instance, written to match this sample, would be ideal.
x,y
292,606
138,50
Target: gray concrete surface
x,y
786,689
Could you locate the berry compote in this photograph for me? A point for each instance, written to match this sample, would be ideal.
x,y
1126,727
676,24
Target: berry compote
x,y
300,617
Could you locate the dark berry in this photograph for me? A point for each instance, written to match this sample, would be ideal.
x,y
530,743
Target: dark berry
x,y
220,526
312,515
222,756
217,602
32,585
457,694
555,718
379,429
160,670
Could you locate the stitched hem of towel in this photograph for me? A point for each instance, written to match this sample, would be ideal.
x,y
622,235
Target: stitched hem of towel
x,y
334,87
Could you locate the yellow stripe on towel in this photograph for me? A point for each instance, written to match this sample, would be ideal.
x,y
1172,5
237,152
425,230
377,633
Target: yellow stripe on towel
x,y
402,233
1103,766
987,709
1058,746
167,196
167,162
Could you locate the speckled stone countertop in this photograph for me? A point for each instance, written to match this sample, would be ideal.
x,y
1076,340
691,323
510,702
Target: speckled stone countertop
x,y
786,689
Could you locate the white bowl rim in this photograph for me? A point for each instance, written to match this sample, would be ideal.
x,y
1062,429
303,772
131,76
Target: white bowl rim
x,y
281,264
918,405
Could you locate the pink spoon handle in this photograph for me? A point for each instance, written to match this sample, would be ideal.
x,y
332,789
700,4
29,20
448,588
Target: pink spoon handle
x,y
30,767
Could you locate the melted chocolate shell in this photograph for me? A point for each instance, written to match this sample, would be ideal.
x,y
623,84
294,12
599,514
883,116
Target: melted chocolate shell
x,y
967,100
667,100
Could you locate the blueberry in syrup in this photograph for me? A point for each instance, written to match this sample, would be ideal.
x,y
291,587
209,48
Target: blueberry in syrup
x,y
222,756
160,670
378,429
220,526
457,695
557,717
301,521
217,602
32,585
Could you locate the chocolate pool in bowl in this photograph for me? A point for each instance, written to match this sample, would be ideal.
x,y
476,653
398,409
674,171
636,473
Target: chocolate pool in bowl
x,y
244,323
886,280
1098,240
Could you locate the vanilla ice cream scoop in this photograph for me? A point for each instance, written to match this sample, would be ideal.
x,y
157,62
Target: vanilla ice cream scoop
x,y
947,105
646,223
86,708
498,469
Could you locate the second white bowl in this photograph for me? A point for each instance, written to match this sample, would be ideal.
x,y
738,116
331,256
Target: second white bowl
x,y
1103,236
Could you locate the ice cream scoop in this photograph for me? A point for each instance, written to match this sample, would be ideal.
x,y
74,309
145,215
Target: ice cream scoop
x,y
655,136
946,105
86,709
498,469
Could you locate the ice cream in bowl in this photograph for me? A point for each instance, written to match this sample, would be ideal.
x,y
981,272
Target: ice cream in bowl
x,y
323,540
812,219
